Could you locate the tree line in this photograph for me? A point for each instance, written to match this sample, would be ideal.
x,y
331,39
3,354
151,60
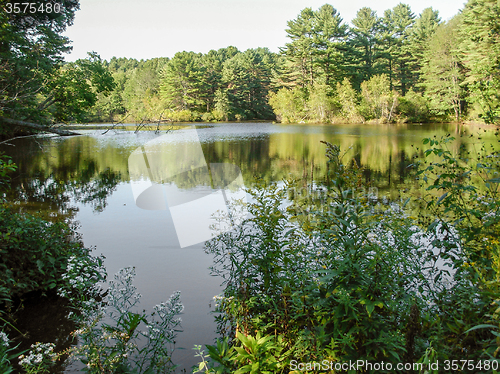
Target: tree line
x,y
396,67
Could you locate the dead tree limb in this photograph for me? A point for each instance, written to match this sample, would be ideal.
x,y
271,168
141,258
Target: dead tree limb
x,y
120,122
36,126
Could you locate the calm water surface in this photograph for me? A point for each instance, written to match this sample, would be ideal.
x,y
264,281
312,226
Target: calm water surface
x,y
87,178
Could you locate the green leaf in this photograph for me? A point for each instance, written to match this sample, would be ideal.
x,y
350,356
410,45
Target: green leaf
x,y
443,196
484,326
39,264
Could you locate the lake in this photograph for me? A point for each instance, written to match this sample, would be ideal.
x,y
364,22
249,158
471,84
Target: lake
x,y
88,179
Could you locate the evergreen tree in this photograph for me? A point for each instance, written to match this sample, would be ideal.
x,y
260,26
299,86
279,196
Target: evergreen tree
x,y
364,44
213,63
300,51
418,39
480,48
317,48
442,71
329,39
395,25
182,82
247,78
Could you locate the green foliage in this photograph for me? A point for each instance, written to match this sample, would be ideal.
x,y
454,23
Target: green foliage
x,y
31,48
6,354
378,101
347,98
480,47
316,48
6,167
396,23
413,107
248,355
442,71
334,276
110,331
320,106
289,105
417,43
222,106
365,44
247,77
430,65
281,278
182,81
73,89
467,201
35,253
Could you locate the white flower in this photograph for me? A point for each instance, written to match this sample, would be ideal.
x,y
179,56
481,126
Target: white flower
x,y
4,339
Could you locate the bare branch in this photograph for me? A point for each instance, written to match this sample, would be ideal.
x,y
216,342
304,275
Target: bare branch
x,y
36,126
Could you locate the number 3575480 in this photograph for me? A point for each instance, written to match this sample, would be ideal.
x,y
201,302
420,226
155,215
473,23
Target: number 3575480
x,y
32,8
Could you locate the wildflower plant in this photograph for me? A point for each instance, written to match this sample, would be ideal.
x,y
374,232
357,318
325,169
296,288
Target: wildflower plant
x,y
39,359
6,354
83,277
115,338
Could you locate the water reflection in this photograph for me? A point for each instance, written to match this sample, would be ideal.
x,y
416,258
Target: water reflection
x,y
88,178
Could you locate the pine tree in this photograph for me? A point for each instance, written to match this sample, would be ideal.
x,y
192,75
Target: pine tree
x,y
316,52
182,83
395,25
418,38
364,45
300,51
329,36
442,72
480,48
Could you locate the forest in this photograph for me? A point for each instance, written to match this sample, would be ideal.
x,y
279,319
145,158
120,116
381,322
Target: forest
x,y
396,67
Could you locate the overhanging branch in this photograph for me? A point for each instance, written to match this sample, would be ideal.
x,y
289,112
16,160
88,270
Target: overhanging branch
x,y
36,126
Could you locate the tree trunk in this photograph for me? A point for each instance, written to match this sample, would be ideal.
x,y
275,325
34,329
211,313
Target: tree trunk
x,y
36,126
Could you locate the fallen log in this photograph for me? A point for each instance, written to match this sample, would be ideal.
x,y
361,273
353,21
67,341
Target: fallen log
x,y
36,126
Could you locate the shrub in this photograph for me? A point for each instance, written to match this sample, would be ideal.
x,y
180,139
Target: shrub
x,y
414,107
347,99
34,254
207,117
320,105
6,167
378,101
288,105
340,277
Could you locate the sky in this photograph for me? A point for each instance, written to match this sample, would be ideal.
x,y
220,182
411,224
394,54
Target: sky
x,y
160,28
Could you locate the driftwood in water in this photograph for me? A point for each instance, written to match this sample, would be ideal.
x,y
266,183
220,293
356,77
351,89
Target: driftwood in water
x,y
36,126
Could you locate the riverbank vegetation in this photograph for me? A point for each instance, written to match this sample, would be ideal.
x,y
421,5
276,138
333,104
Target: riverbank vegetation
x,y
338,276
